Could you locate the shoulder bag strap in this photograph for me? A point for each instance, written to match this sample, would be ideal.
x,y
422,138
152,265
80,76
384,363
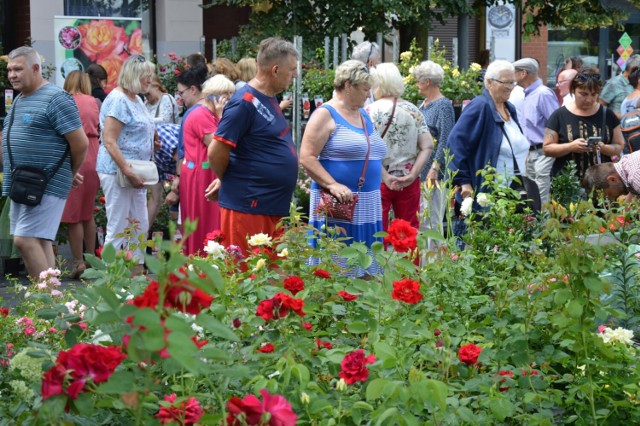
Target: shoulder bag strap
x,y
604,124
159,105
516,169
393,111
366,158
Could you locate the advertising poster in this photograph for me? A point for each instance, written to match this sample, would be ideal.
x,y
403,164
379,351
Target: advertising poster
x,y
501,31
81,41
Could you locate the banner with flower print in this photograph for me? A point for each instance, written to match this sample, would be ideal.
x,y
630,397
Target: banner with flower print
x,y
81,41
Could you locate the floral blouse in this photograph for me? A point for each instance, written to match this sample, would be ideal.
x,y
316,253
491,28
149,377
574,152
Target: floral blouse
x,y
165,110
402,136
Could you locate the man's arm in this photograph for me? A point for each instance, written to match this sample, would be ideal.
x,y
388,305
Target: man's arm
x,y
78,144
218,153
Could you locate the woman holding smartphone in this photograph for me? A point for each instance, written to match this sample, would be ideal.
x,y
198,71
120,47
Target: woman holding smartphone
x,y
583,131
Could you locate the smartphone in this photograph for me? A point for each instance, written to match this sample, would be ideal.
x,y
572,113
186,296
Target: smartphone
x,y
593,140
214,98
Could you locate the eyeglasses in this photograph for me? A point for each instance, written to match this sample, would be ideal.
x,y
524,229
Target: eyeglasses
x,y
180,92
141,59
585,76
370,52
506,83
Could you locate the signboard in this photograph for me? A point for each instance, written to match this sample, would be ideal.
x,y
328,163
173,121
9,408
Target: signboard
x,y
501,31
80,41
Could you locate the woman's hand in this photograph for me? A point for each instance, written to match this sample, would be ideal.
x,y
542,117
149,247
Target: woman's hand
x,y
404,181
580,146
78,179
135,180
341,192
432,177
285,103
211,193
466,191
219,104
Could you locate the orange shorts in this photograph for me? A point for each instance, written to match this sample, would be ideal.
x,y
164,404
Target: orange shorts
x,y
238,227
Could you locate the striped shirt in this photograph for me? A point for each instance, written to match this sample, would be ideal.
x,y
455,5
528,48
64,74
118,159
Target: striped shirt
x,y
36,135
629,170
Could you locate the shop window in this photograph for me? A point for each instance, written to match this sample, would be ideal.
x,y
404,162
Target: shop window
x,y
565,43
110,8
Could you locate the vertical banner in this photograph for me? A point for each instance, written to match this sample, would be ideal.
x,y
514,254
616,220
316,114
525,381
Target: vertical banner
x,y
501,31
81,41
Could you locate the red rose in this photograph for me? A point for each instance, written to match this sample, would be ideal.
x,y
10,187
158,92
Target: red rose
x,y
402,236
83,363
279,306
354,366
324,344
265,309
407,291
294,284
533,373
307,325
437,332
102,199
348,297
216,236
99,252
186,413
249,410
321,273
4,312
507,374
236,323
469,354
267,348
199,343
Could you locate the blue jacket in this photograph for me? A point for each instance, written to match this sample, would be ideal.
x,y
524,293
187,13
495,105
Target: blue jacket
x,y
475,139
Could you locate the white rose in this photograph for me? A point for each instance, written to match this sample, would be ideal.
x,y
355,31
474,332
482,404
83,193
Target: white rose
x,y
619,335
284,253
260,240
483,199
467,206
260,264
215,250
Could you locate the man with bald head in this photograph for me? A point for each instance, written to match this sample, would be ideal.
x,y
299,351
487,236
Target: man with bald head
x,y
563,83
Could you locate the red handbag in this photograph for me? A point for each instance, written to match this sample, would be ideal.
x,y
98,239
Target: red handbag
x,y
330,206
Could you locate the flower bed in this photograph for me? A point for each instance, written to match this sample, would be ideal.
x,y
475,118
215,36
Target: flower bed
x,y
497,333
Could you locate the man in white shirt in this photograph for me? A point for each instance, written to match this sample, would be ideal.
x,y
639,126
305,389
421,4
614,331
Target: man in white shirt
x,y
563,83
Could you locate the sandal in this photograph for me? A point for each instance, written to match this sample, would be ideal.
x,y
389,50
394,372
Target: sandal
x,y
78,269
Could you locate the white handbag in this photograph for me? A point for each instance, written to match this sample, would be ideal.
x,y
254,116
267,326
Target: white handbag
x,y
143,168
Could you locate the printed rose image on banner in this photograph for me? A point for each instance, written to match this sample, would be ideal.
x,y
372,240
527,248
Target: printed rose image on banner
x,y
105,41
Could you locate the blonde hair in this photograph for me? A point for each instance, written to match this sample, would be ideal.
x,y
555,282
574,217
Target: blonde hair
x,y
156,82
133,69
218,85
226,67
355,72
77,82
389,80
247,69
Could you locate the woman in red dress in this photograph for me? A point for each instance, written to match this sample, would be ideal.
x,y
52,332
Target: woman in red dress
x,y
78,211
198,126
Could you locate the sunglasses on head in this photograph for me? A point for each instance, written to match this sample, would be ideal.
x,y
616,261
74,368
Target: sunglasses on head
x,y
586,76
354,73
370,52
140,58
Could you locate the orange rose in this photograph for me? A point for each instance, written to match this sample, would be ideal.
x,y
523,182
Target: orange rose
x,y
102,38
135,42
112,65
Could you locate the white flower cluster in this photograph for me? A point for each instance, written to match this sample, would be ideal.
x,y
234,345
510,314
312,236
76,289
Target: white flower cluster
x,y
619,335
483,199
215,250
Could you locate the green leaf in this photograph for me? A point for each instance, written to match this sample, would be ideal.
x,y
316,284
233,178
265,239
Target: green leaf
x,y
501,408
358,327
302,373
437,392
108,253
47,313
384,351
594,284
120,382
375,388
183,351
574,309
215,327
389,413
361,405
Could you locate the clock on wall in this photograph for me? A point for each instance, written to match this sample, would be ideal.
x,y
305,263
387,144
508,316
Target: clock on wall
x,y
500,16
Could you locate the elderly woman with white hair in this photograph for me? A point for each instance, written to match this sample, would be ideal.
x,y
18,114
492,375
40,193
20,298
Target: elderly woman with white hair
x,y
127,134
337,142
488,133
196,174
409,145
440,118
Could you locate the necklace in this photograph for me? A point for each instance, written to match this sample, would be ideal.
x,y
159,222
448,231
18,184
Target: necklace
x,y
506,111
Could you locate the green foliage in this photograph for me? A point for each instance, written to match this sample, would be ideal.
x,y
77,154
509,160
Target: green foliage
x,y
169,71
566,187
318,82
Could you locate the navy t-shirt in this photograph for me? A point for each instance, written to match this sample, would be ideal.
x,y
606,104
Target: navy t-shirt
x,y
263,164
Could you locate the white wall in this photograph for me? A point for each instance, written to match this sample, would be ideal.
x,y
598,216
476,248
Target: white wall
x,y
42,13
178,27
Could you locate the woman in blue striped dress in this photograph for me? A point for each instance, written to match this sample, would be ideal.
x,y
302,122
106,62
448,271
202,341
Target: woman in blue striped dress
x,y
333,152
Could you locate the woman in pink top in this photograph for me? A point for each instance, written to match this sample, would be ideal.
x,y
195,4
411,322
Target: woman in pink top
x,y
78,211
198,127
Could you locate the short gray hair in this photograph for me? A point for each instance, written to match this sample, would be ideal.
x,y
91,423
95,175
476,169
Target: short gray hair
x,y
389,80
133,69
495,68
365,51
633,62
274,50
218,85
355,72
31,56
429,70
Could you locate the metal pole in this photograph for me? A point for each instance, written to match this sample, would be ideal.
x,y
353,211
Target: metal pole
x,y
454,51
463,41
234,46
203,40
297,84
326,52
336,61
429,46
214,50
380,45
344,47
396,48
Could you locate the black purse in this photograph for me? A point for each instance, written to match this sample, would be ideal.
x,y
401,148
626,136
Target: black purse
x,y
527,187
28,183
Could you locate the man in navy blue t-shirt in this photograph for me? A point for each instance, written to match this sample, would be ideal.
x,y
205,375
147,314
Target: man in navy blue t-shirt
x,y
252,153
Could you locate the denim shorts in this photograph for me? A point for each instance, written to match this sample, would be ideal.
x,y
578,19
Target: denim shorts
x,y
41,221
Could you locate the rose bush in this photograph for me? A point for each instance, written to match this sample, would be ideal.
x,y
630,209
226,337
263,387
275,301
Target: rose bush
x,y
220,340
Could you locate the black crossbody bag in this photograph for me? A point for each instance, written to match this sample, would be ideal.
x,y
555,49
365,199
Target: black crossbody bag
x,y
28,183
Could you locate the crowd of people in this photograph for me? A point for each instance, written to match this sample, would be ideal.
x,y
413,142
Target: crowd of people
x,y
230,147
